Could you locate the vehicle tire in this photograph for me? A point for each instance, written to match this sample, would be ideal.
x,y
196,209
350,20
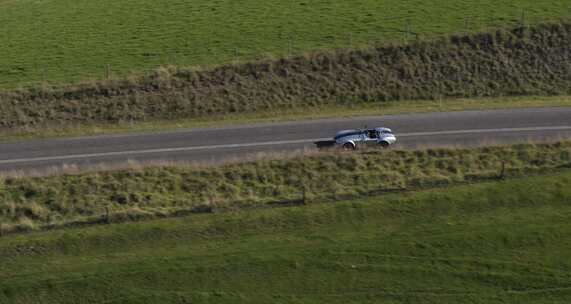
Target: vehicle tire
x,y
349,146
384,144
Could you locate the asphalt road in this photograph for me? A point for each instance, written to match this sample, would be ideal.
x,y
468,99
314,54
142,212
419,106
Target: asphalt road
x,y
217,144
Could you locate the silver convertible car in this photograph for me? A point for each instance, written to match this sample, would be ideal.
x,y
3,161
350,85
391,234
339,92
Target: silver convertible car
x,y
352,139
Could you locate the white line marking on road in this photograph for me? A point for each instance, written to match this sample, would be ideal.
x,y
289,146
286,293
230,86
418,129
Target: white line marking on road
x,y
268,143
476,131
151,151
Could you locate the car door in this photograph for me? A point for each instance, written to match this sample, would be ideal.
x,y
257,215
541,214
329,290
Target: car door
x,y
370,137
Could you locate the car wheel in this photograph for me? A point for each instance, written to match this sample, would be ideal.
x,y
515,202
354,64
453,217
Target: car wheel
x,y
348,146
384,144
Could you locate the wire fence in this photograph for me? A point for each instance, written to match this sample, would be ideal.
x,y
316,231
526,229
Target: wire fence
x,y
213,52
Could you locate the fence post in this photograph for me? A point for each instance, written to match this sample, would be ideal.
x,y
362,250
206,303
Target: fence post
x,y
289,45
567,64
303,180
407,30
107,220
107,71
522,20
350,40
467,24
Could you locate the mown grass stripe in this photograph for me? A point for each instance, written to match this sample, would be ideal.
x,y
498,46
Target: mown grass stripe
x,y
499,242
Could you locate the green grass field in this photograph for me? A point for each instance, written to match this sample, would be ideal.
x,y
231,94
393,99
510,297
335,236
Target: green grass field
x,y
495,242
70,40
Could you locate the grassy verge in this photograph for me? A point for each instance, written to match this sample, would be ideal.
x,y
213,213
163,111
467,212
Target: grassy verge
x,y
493,242
490,64
71,40
146,193
296,114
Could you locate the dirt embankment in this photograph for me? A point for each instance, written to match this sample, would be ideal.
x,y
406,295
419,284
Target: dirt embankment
x,y
531,61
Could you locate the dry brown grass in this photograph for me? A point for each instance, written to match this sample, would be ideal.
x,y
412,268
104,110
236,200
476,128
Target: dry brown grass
x,y
135,165
145,190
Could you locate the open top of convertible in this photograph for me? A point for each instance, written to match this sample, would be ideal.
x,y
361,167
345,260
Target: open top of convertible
x,y
352,138
371,133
